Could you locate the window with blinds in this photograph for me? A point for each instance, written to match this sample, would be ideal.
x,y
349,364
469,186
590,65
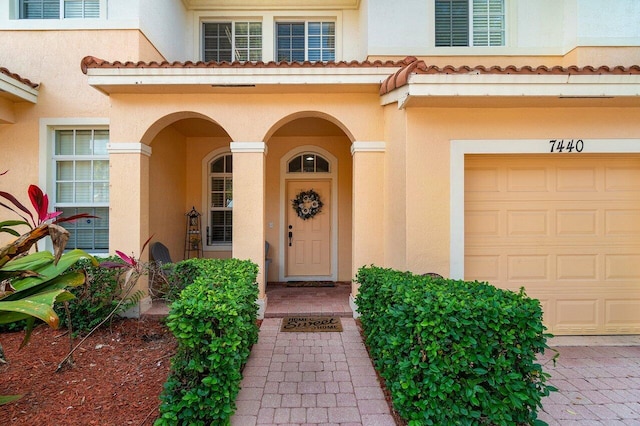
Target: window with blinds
x,y
470,22
50,9
81,170
306,41
220,226
39,9
232,41
81,8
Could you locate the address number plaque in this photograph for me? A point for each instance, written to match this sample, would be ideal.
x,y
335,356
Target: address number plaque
x,y
568,145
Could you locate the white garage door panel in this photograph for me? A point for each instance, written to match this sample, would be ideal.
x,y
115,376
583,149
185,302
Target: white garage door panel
x,y
567,228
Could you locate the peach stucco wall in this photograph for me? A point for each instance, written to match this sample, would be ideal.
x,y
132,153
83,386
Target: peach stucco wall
x,y
246,118
395,180
167,197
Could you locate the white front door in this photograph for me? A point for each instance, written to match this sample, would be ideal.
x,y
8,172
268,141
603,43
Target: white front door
x,y
308,242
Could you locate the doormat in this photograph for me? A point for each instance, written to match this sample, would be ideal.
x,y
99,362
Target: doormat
x,y
311,284
311,324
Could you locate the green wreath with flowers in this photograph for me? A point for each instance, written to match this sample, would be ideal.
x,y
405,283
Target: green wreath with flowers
x,y
307,204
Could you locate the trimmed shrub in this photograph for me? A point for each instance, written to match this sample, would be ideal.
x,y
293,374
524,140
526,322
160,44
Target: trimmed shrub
x,y
214,321
454,352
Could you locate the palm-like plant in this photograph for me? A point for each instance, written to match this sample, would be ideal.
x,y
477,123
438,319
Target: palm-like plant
x,y
30,284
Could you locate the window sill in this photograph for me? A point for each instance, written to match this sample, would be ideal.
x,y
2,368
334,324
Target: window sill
x,y
219,247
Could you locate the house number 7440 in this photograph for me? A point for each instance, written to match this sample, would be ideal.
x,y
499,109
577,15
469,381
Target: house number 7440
x,y
560,145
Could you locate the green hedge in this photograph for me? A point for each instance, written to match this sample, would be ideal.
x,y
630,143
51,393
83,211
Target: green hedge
x,y
454,352
214,321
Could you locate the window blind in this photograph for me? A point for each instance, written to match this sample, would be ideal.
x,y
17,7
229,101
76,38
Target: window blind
x,y
217,41
81,8
452,22
488,22
40,9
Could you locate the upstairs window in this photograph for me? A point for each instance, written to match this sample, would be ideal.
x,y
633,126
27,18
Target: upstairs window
x,y
306,41
50,9
470,22
232,41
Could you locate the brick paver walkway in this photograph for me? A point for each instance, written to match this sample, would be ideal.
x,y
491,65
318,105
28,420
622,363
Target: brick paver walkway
x,y
310,379
597,385
327,378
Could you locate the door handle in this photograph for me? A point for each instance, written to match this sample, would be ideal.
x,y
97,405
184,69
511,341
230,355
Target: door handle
x,y
290,235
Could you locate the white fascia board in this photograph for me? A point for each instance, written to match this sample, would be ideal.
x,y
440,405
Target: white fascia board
x,y
18,89
400,95
102,77
524,85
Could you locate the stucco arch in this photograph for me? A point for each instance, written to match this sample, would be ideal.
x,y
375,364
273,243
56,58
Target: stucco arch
x,y
167,120
308,114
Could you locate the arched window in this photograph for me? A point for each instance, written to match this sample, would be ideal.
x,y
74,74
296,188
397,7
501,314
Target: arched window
x,y
220,200
308,163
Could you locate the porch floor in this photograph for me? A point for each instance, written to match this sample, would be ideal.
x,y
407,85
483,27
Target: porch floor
x,y
285,301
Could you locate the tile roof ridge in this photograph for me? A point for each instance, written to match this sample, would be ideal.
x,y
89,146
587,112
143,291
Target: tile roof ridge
x,y
17,77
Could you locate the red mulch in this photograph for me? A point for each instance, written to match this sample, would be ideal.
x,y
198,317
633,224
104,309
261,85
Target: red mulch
x,y
116,378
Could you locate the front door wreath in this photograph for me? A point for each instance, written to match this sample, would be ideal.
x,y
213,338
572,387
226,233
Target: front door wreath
x,y
307,204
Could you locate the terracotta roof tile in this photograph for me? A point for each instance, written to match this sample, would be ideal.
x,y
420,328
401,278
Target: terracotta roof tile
x,y
415,66
93,62
408,66
18,78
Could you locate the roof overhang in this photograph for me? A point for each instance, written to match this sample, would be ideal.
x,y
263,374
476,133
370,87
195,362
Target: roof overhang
x,y
515,90
238,80
16,91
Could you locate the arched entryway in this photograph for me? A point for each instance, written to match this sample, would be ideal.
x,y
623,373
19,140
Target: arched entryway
x,y
184,147
309,153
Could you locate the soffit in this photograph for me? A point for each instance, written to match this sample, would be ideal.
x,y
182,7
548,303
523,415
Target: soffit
x,y
271,5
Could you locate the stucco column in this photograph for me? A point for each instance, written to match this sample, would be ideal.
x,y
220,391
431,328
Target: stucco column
x,y
129,206
248,208
368,214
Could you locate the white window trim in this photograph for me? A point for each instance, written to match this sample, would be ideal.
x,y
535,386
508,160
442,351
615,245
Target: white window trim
x,y
460,148
268,19
226,247
46,177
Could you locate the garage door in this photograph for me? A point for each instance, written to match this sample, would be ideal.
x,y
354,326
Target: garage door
x,y
565,227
